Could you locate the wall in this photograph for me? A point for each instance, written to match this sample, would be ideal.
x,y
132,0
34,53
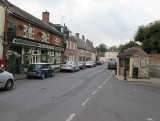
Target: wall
x,y
110,55
2,23
154,68
142,72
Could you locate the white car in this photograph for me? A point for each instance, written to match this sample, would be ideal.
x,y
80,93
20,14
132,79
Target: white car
x,y
6,79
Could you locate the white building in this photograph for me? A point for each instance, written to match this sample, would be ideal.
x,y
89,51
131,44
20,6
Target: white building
x,y
111,54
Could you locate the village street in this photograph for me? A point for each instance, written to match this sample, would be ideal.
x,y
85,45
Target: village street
x,y
89,95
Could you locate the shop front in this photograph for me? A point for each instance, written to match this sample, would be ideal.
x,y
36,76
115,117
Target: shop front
x,y
28,51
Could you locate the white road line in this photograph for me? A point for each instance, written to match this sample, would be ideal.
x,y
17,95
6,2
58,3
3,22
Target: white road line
x,y
149,119
94,92
100,86
71,117
104,82
85,102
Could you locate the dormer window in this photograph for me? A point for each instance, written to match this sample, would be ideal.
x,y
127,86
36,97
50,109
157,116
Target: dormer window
x,y
57,41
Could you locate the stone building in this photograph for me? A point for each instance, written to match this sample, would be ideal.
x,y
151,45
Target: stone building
x,y
132,58
26,35
84,52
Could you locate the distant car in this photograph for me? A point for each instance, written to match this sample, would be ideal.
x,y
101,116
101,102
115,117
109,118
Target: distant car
x,y
94,64
69,66
41,70
99,63
82,65
112,65
89,64
6,80
102,62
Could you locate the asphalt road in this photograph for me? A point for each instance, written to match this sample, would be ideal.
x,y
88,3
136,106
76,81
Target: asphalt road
x,y
88,95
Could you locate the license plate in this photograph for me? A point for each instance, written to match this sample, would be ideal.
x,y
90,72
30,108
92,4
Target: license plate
x,y
64,66
32,72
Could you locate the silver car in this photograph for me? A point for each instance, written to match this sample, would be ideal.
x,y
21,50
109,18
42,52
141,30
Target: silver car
x,y
89,64
69,66
6,79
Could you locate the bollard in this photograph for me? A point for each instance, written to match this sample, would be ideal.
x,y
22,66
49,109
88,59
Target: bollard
x,y
125,74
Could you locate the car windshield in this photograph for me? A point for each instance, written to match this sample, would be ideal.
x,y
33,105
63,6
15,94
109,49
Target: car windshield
x,y
35,66
88,62
80,62
69,62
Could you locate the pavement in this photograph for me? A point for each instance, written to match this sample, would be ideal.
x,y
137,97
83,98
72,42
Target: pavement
x,y
155,81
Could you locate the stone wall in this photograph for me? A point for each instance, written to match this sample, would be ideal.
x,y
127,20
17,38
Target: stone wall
x,y
154,68
142,72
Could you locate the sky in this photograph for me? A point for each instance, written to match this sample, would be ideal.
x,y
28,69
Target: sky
x,y
112,22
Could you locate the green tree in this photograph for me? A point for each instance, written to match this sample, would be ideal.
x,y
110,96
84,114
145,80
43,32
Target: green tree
x,y
128,45
101,48
149,36
113,48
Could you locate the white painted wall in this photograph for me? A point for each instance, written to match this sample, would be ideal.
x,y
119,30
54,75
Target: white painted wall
x,y
2,23
110,55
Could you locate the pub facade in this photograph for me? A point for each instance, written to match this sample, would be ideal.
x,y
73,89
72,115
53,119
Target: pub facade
x,y
30,40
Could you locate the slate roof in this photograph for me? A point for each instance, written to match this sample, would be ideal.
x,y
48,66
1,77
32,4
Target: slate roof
x,y
129,52
101,54
30,18
113,51
81,43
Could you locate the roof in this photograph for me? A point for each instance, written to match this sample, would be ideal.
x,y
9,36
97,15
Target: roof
x,y
101,54
131,52
81,43
30,18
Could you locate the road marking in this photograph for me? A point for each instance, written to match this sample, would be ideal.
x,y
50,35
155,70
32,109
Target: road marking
x,y
71,117
100,86
149,119
94,92
104,82
85,102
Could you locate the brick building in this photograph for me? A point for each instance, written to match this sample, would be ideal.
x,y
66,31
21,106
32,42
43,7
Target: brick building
x,y
26,35
71,43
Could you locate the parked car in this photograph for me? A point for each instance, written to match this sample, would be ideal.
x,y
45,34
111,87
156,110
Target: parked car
x,y
89,64
6,80
94,64
99,63
82,65
112,65
69,66
41,70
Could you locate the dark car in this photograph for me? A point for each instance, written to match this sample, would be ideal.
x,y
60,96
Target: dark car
x,y
41,70
112,65
82,65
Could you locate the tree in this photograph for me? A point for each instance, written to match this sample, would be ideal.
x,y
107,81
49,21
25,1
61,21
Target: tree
x,y
128,45
113,48
149,36
101,48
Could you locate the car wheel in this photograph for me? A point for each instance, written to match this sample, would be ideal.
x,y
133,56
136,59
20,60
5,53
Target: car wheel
x,y
73,70
43,76
28,77
52,74
9,85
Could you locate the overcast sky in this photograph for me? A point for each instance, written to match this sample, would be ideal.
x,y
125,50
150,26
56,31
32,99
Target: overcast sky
x,y
112,22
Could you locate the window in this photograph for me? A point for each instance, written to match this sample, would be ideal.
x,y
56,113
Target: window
x,y
28,32
70,44
74,46
44,37
57,41
67,44
58,57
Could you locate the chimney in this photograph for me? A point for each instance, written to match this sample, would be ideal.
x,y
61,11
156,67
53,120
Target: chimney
x,y
45,17
77,35
83,37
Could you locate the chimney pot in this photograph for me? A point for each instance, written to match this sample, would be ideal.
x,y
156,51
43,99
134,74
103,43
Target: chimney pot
x,y
83,37
77,35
